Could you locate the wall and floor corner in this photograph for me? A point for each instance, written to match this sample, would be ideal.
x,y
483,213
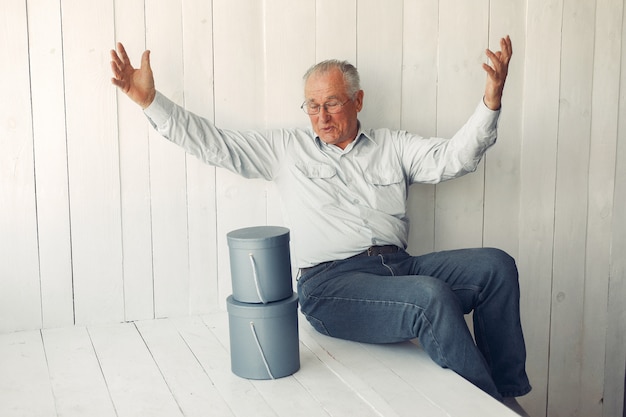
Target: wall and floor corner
x,y
103,221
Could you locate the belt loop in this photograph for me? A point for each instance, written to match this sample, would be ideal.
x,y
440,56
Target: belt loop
x,y
369,251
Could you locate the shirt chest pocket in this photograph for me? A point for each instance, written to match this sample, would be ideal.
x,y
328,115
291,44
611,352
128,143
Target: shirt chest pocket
x,y
319,181
388,191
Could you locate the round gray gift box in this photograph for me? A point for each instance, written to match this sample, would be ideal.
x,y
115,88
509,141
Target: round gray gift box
x,y
264,340
260,264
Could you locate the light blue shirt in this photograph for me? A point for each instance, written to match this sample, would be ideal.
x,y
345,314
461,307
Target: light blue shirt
x,y
336,202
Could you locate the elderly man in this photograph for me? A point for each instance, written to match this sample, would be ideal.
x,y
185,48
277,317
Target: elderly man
x,y
344,191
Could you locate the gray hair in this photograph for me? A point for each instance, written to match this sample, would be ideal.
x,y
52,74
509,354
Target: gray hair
x,y
349,71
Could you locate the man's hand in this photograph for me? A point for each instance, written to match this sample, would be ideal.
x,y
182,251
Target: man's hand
x,y
138,84
497,72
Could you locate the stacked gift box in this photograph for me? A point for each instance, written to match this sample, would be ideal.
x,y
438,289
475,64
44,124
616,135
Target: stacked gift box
x,y
263,309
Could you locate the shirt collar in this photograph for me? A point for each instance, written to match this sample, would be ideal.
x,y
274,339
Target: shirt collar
x,y
361,133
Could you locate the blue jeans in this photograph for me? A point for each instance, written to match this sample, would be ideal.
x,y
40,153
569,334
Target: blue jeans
x,y
397,297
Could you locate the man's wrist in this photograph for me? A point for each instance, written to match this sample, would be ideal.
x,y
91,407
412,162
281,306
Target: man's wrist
x,y
148,101
492,104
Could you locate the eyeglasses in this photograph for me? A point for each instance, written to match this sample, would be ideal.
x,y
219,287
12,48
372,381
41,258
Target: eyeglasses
x,y
332,107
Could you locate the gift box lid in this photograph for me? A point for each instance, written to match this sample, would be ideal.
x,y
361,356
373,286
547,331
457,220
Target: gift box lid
x,y
260,311
258,237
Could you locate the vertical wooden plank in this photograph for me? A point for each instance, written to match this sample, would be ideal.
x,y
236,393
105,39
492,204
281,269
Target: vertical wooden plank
x,y
380,61
616,333
135,383
336,30
134,173
419,109
48,101
77,381
167,167
601,183
93,162
25,389
290,52
20,303
419,67
571,207
201,212
239,43
538,176
502,167
463,32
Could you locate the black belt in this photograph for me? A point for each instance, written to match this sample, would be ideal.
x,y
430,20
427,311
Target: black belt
x,y
377,250
371,251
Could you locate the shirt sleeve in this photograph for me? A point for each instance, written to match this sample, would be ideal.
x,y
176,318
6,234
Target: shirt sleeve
x,y
432,160
251,154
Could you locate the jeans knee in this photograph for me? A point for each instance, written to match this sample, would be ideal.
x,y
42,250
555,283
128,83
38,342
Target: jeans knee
x,y
499,257
433,294
503,271
501,262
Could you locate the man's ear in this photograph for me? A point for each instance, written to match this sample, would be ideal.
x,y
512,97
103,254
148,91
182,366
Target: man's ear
x,y
358,101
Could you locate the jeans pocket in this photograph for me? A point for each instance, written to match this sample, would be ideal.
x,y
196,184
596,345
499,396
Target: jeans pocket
x,y
310,280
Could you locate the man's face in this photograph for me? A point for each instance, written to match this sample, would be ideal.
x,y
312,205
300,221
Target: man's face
x,y
338,128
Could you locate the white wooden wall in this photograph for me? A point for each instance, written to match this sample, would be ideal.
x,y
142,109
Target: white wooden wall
x,y
103,221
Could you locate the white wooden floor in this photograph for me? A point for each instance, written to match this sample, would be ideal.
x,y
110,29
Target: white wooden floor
x,y
181,367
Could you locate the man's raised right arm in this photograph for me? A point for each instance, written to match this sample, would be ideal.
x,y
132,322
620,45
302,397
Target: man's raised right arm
x,y
250,154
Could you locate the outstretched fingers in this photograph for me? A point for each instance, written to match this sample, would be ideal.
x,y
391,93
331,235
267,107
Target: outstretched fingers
x,y
122,53
489,70
499,60
117,67
121,67
506,48
120,58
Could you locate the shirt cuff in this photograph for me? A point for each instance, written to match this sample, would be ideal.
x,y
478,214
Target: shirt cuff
x,y
489,118
160,110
